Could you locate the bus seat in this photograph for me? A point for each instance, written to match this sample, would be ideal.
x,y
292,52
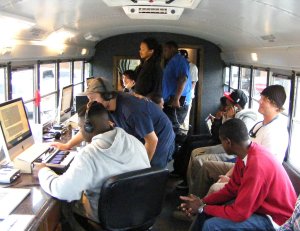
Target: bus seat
x,y
133,200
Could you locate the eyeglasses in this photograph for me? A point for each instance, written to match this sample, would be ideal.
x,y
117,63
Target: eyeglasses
x,y
252,134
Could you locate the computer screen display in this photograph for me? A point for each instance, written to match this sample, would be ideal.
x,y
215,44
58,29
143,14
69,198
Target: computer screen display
x,y
66,103
14,122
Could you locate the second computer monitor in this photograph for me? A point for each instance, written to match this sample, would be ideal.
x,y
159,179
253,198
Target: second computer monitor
x,y
65,104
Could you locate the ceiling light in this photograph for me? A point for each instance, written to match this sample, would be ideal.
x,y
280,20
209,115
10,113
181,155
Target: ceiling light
x,y
61,35
254,57
84,51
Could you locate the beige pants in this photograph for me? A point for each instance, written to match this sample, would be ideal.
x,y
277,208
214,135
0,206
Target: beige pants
x,y
204,168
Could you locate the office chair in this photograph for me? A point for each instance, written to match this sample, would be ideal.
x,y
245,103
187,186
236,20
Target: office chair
x,y
133,200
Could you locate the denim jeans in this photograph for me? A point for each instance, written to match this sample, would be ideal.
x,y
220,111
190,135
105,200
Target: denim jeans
x,y
176,116
207,223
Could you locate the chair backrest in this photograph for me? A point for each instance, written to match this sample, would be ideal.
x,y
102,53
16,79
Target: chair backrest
x,y
132,200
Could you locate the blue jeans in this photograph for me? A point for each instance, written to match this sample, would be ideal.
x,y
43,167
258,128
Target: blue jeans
x,y
207,223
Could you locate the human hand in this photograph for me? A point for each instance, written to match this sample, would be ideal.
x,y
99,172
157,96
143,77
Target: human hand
x,y
60,146
191,204
37,167
223,179
175,103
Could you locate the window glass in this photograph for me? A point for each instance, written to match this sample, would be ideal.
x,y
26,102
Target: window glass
x,y
234,77
48,108
286,83
22,84
47,78
29,107
245,80
77,89
294,157
259,82
226,77
2,87
64,74
77,72
87,70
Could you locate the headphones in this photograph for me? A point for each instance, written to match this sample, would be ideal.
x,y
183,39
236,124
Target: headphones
x,y
106,95
88,126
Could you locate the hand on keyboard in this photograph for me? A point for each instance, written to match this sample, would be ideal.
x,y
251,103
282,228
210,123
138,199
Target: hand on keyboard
x,y
37,167
60,146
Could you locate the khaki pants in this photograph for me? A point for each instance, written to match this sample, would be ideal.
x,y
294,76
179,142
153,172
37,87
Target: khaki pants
x,y
204,168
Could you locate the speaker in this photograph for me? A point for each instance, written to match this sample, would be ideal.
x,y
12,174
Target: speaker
x,y
88,127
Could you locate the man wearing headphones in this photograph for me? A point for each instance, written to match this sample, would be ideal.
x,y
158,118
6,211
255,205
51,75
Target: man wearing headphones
x,y
139,117
111,151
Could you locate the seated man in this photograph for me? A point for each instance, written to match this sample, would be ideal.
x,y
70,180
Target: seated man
x,y
112,151
293,224
271,132
259,196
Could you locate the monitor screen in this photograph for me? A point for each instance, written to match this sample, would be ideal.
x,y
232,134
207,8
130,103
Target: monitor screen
x,y
66,103
81,100
14,123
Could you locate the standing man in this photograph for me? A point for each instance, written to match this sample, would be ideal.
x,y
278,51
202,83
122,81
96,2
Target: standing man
x,y
138,117
259,196
177,85
194,78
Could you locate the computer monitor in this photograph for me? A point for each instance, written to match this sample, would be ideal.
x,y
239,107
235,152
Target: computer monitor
x,y
65,104
80,101
15,127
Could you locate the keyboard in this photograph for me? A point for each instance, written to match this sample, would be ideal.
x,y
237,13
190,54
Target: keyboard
x,y
55,159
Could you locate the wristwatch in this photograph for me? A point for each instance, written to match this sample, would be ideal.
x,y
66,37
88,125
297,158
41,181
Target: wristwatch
x,y
200,210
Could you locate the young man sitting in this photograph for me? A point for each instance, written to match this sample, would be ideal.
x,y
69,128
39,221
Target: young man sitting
x,y
259,195
112,151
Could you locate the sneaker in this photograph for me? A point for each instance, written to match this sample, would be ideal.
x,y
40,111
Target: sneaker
x,y
174,174
179,215
182,185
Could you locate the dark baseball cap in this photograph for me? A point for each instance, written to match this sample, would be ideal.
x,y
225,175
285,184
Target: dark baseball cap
x,y
237,97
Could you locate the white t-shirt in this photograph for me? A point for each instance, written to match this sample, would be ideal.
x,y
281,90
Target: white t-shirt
x,y
274,136
194,76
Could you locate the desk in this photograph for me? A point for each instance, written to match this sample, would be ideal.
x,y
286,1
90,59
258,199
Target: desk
x,y
45,208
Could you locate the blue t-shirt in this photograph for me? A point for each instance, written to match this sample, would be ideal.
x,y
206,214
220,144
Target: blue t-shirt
x,y
177,66
140,117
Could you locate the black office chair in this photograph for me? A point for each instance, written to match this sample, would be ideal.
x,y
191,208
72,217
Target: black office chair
x,y
133,200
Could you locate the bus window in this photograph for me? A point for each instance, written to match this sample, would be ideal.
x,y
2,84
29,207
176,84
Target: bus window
x,y
260,78
47,80
2,88
87,70
64,74
48,108
77,72
22,84
234,77
294,157
245,80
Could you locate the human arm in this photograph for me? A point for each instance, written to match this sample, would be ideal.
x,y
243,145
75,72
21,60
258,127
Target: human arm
x,y
225,178
77,139
180,87
249,190
150,144
67,186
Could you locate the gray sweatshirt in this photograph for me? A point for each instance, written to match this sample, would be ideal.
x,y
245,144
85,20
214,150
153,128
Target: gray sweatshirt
x,y
110,153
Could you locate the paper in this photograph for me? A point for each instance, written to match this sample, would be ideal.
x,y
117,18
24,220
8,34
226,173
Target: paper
x,y
16,222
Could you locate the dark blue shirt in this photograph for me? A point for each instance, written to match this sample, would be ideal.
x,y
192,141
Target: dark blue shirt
x,y
176,67
140,117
